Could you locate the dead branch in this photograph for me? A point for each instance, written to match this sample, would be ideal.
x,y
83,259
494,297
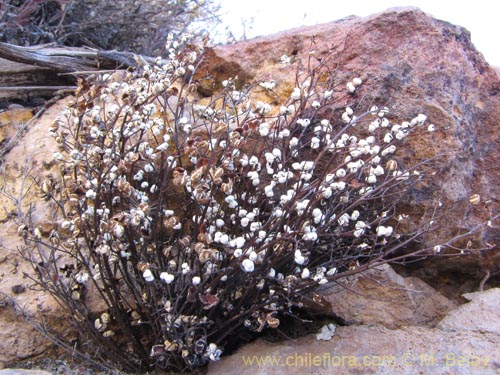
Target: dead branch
x,y
70,59
44,71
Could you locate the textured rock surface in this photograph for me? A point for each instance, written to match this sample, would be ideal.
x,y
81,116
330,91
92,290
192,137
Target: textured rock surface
x,y
409,62
381,296
481,315
11,120
459,345
18,340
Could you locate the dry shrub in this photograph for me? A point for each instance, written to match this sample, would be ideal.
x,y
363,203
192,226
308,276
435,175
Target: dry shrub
x,y
195,224
125,25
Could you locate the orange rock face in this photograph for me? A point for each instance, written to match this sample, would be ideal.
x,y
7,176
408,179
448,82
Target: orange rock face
x,y
411,63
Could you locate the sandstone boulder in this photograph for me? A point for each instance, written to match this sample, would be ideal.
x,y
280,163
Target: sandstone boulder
x,y
382,297
482,314
456,346
23,169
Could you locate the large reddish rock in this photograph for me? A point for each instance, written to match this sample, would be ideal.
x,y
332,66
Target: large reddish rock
x,y
411,63
380,296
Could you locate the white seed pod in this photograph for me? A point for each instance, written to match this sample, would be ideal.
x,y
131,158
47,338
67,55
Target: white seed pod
x,y
299,258
47,186
338,185
421,118
255,226
377,171
341,172
148,275
391,165
360,225
311,236
305,273
185,268
315,143
118,230
400,135
224,239
374,125
388,150
108,333
474,199
81,277
343,220
355,215
247,265
346,118
272,273
384,231
91,194
264,129
317,212
22,230
99,325
327,192
371,179
102,249
358,233
106,318
167,277
357,81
